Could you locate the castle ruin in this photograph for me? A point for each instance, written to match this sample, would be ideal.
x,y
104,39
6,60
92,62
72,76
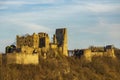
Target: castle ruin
x,y
29,48
33,46
107,51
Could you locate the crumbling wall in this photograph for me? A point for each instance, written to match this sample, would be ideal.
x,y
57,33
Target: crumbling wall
x,y
11,58
25,41
61,37
40,40
27,50
87,54
35,40
97,53
44,40
110,53
18,58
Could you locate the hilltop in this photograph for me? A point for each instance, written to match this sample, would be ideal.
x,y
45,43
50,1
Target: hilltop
x,y
35,57
65,68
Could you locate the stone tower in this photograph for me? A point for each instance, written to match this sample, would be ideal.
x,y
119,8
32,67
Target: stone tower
x,y
43,40
110,51
61,37
27,40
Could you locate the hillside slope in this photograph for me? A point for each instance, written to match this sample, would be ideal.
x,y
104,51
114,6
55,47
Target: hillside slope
x,y
63,68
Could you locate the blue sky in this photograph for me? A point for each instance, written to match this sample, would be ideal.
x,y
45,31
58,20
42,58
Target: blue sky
x,y
89,22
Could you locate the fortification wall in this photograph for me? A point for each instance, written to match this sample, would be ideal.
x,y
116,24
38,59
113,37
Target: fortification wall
x,y
87,54
19,58
30,46
27,50
97,53
10,58
110,53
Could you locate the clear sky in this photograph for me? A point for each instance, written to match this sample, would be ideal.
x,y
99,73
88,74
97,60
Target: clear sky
x,y
89,22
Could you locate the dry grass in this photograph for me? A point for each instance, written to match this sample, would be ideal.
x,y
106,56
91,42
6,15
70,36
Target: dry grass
x,y
63,68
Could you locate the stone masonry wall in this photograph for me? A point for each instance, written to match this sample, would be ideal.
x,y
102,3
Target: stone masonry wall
x,y
18,58
61,37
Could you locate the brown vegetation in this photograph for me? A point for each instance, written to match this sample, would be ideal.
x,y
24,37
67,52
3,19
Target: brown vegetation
x,y
63,68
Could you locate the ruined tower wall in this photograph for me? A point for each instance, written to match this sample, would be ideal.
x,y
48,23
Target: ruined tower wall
x,y
35,40
29,40
39,40
61,36
65,43
44,41
47,42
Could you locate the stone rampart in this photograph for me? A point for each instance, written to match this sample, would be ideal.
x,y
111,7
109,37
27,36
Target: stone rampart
x,y
19,58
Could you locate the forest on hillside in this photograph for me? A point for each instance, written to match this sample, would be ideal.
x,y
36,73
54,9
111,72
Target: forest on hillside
x,y
65,68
